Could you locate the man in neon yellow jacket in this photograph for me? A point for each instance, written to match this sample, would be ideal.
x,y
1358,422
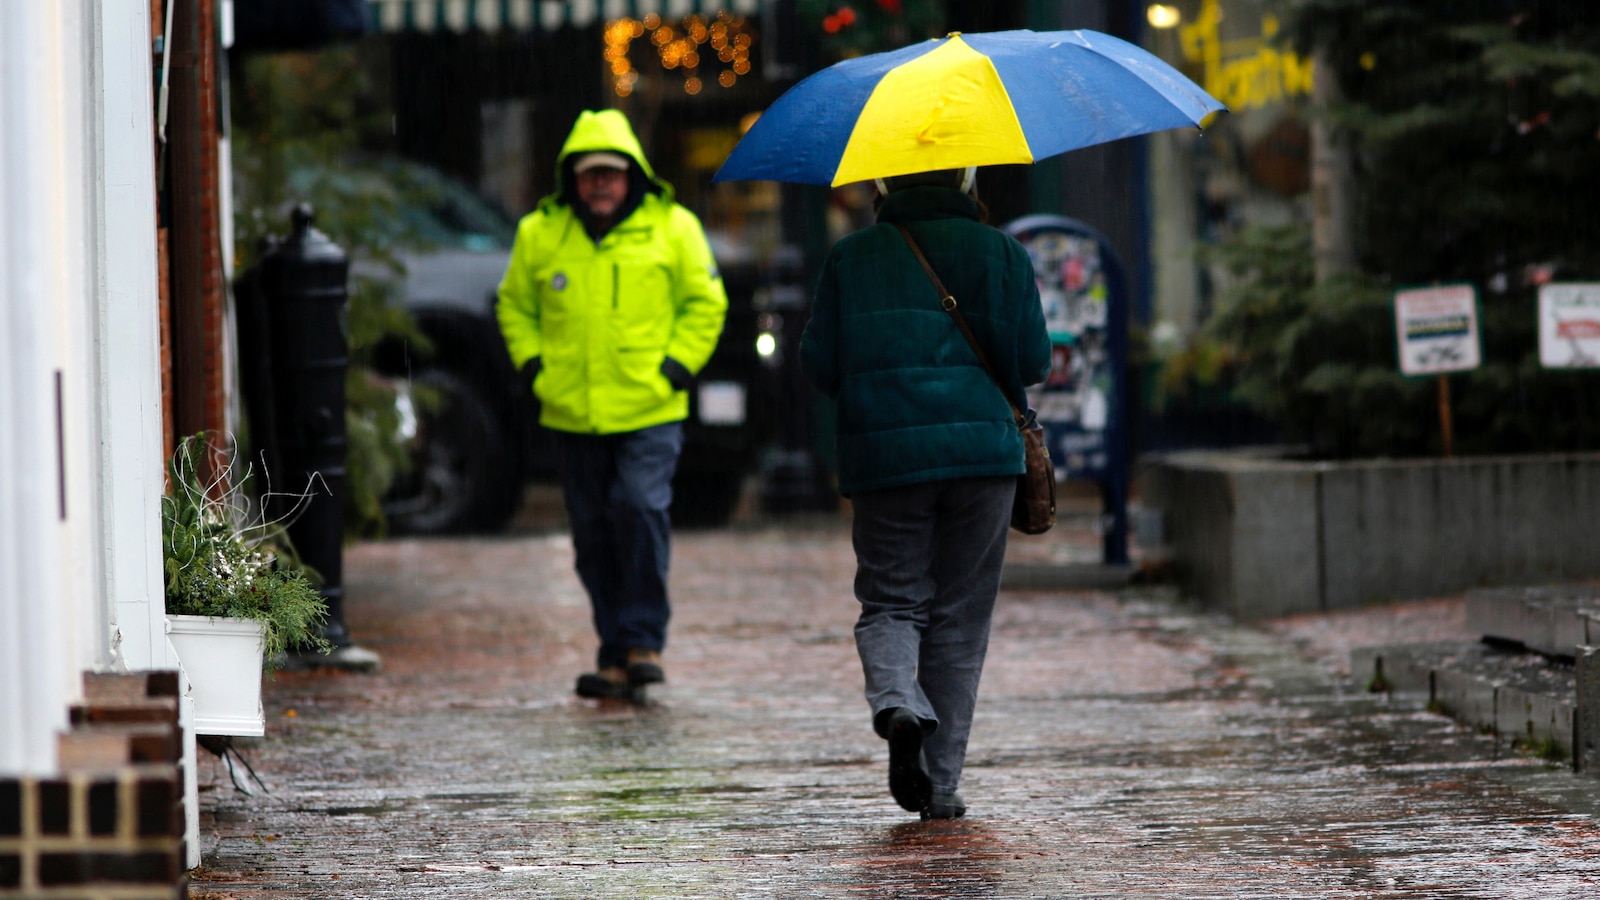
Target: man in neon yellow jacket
x,y
610,305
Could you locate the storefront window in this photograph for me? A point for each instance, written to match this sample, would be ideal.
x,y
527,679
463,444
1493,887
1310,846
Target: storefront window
x,y
1252,167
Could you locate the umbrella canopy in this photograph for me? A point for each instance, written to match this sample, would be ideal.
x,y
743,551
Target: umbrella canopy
x,y
965,100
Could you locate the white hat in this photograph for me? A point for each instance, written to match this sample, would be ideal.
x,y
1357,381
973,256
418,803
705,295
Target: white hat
x,y
600,158
937,178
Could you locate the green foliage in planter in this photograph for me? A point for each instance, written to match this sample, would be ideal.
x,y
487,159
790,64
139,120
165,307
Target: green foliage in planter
x,y
219,565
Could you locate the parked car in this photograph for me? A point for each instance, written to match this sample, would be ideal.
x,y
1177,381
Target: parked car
x,y
475,448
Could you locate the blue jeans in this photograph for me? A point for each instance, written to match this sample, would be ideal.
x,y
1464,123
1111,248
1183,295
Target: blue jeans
x,y
618,488
928,560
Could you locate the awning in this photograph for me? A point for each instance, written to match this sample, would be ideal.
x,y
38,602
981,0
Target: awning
x,y
526,15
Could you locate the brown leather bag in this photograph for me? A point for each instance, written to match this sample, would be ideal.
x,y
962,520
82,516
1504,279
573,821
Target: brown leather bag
x,y
1034,509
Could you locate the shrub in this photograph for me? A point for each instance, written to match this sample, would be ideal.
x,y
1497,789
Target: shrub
x,y
218,564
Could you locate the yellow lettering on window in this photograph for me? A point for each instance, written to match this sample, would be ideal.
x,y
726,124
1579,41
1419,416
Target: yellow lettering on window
x,y
1247,73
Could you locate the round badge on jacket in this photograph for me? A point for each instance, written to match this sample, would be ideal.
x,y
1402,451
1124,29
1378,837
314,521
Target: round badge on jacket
x,y
558,281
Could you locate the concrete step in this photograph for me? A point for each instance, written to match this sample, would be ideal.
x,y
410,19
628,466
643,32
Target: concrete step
x,y
1528,699
1550,619
125,719
94,747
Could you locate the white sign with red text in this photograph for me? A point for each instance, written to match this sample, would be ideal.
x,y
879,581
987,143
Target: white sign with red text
x,y
1437,329
1569,326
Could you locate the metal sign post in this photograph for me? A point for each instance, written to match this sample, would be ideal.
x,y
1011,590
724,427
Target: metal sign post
x,y
1446,427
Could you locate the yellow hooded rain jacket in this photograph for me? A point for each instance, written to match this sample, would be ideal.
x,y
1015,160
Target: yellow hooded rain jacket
x,y
601,317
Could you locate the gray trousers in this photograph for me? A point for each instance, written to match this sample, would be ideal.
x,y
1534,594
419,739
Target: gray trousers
x,y
928,560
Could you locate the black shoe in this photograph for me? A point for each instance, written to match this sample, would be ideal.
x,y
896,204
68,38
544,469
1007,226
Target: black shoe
x,y
644,667
606,684
944,806
908,775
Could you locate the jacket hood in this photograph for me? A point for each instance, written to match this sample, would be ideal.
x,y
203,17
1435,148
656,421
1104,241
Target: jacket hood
x,y
605,129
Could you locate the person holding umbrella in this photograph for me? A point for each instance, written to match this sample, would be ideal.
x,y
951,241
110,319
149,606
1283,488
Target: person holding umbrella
x,y
928,448
929,454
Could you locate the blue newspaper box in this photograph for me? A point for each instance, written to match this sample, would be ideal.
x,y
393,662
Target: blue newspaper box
x,y
1082,404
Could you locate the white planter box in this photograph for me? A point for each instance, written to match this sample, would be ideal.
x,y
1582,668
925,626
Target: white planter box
x,y
222,658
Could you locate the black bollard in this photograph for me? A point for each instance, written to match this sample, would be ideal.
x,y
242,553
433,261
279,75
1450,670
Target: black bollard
x,y
295,300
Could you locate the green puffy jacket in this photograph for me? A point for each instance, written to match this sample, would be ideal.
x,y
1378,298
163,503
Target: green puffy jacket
x,y
914,403
602,316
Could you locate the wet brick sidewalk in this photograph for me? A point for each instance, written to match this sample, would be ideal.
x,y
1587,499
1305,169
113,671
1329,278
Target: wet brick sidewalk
x,y
1126,745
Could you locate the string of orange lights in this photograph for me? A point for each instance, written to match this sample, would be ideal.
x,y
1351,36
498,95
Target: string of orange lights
x,y
681,45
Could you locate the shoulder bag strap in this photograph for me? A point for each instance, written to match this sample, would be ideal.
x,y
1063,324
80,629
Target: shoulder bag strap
x,y
948,303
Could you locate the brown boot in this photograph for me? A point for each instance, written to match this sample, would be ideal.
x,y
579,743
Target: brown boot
x,y
610,683
644,666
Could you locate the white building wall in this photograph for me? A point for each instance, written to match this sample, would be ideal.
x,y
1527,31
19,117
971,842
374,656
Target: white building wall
x,y
74,218
81,457
127,341
127,458
38,658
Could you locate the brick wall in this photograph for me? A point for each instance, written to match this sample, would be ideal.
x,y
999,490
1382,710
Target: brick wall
x,y
213,287
110,826
192,282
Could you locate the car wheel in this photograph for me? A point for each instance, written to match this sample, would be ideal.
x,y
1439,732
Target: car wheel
x,y
461,474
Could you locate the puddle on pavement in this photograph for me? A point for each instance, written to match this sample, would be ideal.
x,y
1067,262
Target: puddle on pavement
x,y
381,809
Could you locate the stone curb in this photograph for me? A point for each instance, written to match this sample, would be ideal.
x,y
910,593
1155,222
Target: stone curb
x,y
1521,696
1549,619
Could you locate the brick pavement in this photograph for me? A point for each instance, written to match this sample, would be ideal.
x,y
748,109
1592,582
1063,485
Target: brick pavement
x,y
1126,745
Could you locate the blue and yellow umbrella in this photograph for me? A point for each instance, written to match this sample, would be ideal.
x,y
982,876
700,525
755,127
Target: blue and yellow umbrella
x,y
965,100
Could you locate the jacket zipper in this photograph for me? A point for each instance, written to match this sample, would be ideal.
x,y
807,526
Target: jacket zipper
x,y
616,284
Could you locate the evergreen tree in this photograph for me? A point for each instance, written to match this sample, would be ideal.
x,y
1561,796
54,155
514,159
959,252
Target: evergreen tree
x,y
1477,136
